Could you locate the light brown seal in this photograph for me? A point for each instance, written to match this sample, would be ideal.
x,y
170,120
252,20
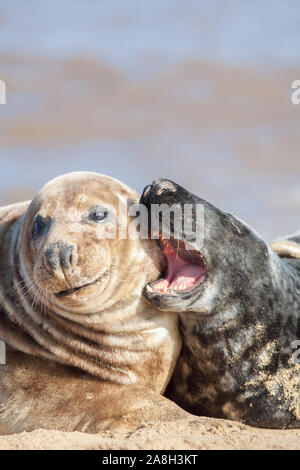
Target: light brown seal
x,y
71,297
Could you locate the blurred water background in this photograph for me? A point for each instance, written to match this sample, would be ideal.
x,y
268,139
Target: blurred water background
x,y
199,92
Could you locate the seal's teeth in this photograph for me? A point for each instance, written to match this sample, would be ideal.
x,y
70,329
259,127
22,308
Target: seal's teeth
x,y
181,287
173,292
149,288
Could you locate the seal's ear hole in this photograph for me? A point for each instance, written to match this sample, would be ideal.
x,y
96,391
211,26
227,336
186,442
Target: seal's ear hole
x,y
40,226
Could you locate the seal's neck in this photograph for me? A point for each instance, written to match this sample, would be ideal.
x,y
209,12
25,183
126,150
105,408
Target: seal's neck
x,y
234,354
264,312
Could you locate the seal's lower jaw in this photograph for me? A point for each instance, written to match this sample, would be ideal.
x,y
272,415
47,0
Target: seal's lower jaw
x,y
76,292
69,292
186,271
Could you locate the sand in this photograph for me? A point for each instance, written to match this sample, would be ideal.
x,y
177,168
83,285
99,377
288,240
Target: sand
x,y
191,433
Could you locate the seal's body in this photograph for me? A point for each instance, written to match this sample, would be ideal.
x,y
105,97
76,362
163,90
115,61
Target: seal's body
x,y
70,295
239,306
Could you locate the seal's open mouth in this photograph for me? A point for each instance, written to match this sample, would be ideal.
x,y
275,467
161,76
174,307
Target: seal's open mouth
x,y
65,293
186,269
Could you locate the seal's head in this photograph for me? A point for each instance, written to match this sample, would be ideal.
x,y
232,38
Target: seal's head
x,y
217,258
71,251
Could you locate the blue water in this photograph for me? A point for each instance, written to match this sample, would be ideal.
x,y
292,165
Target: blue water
x,y
124,32
146,44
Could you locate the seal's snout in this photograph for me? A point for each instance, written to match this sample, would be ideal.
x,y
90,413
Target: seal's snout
x,y
153,192
60,255
160,185
158,181
145,194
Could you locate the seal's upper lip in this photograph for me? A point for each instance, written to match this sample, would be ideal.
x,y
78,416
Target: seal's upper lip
x,y
65,293
186,269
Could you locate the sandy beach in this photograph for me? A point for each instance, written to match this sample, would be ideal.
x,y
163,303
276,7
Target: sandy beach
x,y
194,433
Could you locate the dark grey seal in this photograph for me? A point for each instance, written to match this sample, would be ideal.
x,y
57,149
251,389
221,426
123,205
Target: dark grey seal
x,y
239,308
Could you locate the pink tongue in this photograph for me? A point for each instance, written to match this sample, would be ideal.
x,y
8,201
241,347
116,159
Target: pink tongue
x,y
181,274
186,276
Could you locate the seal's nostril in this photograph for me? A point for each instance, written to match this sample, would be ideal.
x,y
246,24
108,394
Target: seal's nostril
x,y
73,256
52,259
162,184
67,256
60,255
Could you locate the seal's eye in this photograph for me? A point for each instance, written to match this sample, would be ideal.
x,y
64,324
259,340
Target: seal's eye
x,y
39,226
98,215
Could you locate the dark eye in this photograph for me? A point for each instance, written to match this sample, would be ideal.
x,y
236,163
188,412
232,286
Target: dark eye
x,y
98,215
39,226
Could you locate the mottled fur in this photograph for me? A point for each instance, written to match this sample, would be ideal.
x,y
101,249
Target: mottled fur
x,y
238,326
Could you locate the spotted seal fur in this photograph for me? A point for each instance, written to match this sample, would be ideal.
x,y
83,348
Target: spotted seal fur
x,y
239,307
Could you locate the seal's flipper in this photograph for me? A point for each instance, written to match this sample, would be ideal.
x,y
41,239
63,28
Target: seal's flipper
x,y
286,248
